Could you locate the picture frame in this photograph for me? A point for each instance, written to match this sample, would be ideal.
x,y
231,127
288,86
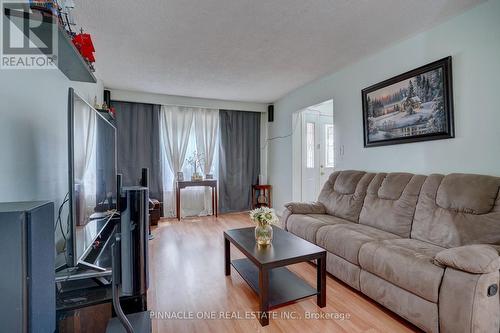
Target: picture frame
x,y
411,107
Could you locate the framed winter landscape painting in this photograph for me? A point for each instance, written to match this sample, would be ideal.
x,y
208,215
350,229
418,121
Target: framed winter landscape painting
x,y
414,106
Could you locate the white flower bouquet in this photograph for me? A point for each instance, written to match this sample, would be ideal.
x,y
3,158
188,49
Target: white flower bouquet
x,y
264,216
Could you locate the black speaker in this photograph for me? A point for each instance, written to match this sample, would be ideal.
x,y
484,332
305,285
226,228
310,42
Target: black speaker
x,y
270,113
27,281
107,97
144,177
134,229
119,182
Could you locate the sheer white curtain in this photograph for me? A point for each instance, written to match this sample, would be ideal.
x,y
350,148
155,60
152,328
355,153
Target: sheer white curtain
x,y
85,158
181,128
175,129
206,124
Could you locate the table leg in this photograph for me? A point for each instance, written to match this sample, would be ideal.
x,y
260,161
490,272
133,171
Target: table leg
x,y
263,296
213,200
253,198
227,256
178,203
216,203
321,281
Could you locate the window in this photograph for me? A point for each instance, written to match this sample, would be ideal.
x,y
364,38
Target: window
x,y
310,145
329,151
196,201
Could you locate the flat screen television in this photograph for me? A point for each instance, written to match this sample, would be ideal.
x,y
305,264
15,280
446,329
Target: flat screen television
x,y
92,178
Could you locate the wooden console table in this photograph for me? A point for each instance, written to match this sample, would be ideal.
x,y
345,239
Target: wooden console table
x,y
212,183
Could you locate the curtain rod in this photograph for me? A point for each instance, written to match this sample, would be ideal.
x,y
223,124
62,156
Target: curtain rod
x,y
186,106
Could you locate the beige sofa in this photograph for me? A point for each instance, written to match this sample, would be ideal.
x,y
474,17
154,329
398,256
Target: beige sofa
x,y
425,247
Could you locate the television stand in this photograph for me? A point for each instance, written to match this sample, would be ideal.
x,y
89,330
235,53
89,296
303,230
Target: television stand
x,y
96,258
88,265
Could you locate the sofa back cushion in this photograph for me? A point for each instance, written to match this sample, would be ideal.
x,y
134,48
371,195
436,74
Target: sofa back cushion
x,y
458,209
344,192
390,202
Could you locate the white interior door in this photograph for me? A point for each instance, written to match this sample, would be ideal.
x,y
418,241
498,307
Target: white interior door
x,y
317,152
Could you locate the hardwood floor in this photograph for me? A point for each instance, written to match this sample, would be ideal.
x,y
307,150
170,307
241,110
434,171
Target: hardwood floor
x,y
187,279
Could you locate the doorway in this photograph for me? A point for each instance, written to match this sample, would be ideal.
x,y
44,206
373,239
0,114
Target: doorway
x,y
313,150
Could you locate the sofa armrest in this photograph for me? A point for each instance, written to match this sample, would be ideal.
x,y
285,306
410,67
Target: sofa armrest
x,y
468,295
306,208
300,208
284,218
475,259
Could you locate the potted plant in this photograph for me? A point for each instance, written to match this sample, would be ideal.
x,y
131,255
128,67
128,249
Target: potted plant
x,y
195,160
264,217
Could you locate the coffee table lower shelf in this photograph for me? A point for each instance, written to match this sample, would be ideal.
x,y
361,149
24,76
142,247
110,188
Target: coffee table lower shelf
x,y
284,286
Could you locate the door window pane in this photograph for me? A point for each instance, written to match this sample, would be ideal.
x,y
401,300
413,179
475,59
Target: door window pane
x,y
329,148
310,145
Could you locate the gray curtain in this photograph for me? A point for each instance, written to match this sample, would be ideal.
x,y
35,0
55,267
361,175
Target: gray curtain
x,y
105,172
138,141
239,159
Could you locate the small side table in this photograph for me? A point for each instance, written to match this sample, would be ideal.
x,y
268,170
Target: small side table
x,y
261,191
212,183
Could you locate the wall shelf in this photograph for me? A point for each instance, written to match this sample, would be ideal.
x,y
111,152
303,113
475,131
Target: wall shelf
x,y
69,60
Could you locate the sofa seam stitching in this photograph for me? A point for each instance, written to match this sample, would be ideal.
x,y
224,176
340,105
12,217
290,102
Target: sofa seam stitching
x,y
439,298
473,303
416,204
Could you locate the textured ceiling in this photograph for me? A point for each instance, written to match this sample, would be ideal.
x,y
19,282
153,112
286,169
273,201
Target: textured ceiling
x,y
244,50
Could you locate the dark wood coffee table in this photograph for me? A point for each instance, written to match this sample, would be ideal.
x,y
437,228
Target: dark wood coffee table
x,y
264,270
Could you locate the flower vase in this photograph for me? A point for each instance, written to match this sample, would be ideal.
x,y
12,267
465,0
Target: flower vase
x,y
263,234
196,176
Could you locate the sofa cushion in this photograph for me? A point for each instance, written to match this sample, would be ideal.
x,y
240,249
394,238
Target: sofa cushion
x,y
344,192
419,311
472,194
347,181
343,270
306,226
406,263
329,219
345,240
458,209
390,202
496,247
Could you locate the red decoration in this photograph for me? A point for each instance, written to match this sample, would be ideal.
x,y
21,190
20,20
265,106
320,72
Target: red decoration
x,y
84,45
